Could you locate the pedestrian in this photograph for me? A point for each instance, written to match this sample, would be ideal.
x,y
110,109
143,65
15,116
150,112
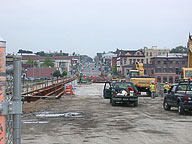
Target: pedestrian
x,y
152,90
166,88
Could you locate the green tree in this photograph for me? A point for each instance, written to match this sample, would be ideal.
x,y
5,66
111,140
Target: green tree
x,y
41,53
25,51
57,73
48,62
114,69
179,49
32,62
64,74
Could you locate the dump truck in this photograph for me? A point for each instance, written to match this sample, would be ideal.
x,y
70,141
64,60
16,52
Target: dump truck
x,y
141,82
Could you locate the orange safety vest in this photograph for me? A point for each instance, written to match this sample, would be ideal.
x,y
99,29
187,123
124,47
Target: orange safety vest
x,y
166,86
152,88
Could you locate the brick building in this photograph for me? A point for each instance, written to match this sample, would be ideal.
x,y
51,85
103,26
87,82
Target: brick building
x,y
40,72
126,59
168,67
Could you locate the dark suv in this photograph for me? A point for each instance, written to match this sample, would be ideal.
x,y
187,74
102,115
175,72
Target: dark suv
x,y
121,92
180,95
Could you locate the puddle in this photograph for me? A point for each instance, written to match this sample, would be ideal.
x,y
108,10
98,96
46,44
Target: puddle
x,y
34,122
67,114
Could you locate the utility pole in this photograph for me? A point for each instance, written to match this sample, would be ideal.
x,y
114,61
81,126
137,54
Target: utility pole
x,y
17,99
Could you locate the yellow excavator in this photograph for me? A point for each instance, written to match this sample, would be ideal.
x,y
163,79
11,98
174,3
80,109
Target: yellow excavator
x,y
140,81
186,73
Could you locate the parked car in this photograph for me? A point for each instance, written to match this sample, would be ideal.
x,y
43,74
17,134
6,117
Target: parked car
x,y
121,92
180,96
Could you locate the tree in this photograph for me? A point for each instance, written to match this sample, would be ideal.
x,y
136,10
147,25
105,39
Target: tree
x,y
32,62
179,49
114,69
41,53
57,73
48,62
25,51
64,74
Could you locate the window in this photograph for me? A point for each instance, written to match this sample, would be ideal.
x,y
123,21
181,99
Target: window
x,y
170,79
145,72
125,61
170,70
152,71
158,62
138,60
159,79
159,53
107,85
183,62
176,79
134,61
150,53
130,61
181,87
142,60
158,70
147,54
164,70
177,70
138,53
165,62
147,61
177,62
171,62
164,79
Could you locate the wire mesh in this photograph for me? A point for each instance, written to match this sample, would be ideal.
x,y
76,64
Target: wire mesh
x,y
9,118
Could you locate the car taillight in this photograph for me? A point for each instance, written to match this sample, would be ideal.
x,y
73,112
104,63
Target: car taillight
x,y
185,99
137,93
114,93
130,89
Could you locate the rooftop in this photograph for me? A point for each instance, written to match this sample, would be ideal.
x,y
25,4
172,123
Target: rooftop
x,y
172,55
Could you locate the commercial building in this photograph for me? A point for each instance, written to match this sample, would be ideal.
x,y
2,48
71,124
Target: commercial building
x,y
168,67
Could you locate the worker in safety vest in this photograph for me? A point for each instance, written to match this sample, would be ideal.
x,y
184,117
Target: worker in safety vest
x,y
152,89
166,87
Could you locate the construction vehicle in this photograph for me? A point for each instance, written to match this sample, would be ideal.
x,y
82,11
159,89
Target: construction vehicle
x,y
82,78
141,82
186,73
102,73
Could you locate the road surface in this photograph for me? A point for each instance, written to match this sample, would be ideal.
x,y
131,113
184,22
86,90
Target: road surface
x,y
87,118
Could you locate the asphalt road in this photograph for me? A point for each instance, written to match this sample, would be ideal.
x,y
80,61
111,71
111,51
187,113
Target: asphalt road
x,y
93,120
90,69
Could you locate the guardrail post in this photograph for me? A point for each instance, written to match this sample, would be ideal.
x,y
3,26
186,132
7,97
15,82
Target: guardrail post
x,y
17,98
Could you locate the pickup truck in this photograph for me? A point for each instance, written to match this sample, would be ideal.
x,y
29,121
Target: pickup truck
x,y
180,96
121,92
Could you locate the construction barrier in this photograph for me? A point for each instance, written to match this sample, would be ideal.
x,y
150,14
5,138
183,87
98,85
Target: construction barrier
x,y
2,89
68,90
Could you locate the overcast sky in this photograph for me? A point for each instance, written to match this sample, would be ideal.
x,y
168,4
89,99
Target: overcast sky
x,y
90,26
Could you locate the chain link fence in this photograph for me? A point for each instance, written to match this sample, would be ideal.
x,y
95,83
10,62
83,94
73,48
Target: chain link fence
x,y
9,118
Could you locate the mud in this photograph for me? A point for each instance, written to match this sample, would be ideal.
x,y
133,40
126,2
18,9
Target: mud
x,y
100,123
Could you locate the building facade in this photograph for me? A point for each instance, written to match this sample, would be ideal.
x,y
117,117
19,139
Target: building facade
x,y
153,52
168,67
